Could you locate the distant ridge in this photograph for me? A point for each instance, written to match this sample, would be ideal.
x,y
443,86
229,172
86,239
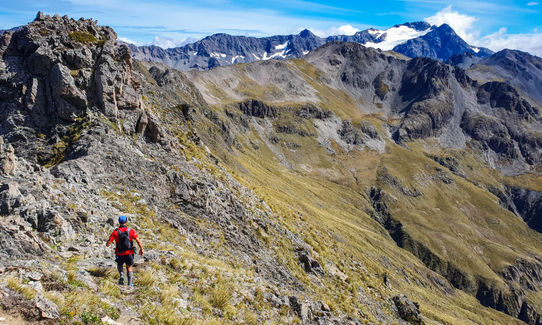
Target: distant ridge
x,y
415,39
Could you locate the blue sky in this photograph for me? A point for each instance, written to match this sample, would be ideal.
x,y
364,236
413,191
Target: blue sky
x,y
495,24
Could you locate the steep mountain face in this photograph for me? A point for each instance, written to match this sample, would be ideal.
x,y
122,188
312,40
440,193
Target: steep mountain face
x,y
520,69
478,132
411,39
463,61
350,186
440,43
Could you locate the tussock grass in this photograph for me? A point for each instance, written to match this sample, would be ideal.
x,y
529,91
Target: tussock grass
x,y
100,272
27,291
83,37
221,294
168,293
153,313
146,278
110,289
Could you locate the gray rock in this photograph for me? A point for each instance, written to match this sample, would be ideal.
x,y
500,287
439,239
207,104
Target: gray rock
x,y
309,264
302,309
10,198
8,163
407,309
47,308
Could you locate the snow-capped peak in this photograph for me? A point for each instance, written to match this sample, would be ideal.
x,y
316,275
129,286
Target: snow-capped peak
x,y
394,36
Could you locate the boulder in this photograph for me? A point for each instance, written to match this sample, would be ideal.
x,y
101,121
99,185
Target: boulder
x,y
47,308
407,309
310,265
10,198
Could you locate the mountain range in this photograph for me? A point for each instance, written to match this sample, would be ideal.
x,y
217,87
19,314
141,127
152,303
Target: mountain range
x,y
350,185
411,39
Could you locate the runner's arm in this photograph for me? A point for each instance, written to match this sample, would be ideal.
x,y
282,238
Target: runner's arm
x,y
111,239
140,245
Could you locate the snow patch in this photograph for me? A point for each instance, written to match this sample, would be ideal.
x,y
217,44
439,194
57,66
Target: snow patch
x,y
216,55
305,52
278,54
236,57
475,49
281,46
257,57
394,36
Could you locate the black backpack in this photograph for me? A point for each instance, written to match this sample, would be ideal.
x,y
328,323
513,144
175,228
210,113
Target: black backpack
x,y
124,241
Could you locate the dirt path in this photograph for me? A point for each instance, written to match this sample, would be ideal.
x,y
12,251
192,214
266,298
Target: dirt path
x,y
10,320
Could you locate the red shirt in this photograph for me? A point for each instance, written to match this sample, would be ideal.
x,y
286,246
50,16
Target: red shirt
x,y
115,236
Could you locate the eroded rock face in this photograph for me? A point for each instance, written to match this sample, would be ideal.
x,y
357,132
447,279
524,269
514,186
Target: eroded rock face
x,y
58,70
257,108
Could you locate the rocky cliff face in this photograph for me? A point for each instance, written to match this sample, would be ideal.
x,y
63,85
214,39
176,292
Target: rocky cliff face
x,y
520,69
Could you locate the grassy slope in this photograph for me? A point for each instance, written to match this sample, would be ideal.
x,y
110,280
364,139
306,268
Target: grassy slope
x,y
323,198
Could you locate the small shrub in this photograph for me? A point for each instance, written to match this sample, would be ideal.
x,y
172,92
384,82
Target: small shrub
x,y
90,318
83,37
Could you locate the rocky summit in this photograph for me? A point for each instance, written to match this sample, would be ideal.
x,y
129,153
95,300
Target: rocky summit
x,y
347,186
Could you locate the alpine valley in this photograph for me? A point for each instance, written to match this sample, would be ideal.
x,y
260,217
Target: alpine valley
x,y
387,177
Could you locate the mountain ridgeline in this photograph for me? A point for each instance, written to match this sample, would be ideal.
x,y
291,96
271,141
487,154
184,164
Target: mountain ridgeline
x,y
415,40
343,185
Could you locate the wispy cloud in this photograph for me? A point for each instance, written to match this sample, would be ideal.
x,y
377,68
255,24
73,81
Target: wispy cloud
x,y
475,7
532,3
462,24
183,20
528,42
465,26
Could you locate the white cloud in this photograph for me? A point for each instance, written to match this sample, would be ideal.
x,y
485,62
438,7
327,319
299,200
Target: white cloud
x,y
465,27
168,42
461,23
530,42
341,30
127,40
347,30
533,3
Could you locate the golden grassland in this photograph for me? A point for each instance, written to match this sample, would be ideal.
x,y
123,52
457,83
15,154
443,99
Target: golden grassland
x,y
323,197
